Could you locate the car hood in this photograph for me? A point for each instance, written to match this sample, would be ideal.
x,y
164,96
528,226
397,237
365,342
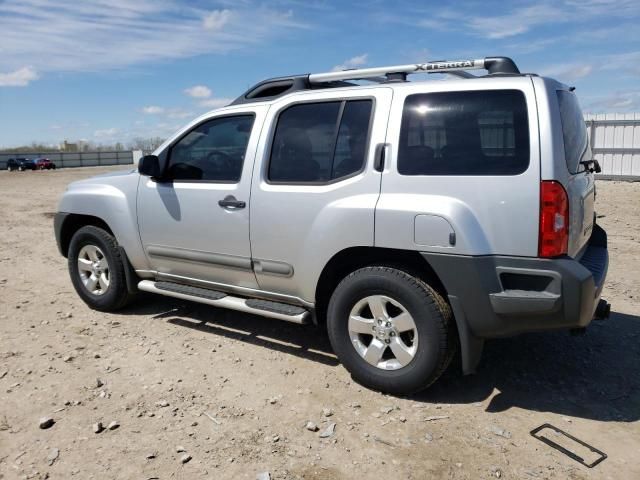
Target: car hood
x,y
121,180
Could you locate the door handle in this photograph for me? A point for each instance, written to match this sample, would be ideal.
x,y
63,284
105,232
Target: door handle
x,y
230,202
380,154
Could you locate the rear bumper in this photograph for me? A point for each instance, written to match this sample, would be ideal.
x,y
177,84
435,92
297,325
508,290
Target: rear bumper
x,y
500,296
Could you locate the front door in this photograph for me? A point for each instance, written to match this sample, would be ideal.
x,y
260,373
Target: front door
x,y
194,223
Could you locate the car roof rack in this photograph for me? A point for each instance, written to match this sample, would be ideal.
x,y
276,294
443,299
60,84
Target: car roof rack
x,y
275,87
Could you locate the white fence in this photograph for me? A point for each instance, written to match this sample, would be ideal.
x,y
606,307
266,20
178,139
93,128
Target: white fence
x,y
615,141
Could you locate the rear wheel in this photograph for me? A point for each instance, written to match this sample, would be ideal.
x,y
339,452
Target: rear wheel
x,y
97,269
392,331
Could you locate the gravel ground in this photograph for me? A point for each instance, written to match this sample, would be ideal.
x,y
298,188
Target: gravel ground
x,y
198,392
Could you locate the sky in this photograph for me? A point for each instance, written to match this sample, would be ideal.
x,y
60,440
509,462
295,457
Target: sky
x,y
107,71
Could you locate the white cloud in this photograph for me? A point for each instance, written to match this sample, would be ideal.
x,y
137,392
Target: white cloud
x,y
18,78
215,102
519,21
198,91
106,133
178,113
94,35
567,72
621,101
524,16
216,19
152,109
353,62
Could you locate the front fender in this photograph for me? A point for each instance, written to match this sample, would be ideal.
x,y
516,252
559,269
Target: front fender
x,y
112,199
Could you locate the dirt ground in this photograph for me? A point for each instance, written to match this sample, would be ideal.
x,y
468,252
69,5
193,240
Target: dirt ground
x,y
235,391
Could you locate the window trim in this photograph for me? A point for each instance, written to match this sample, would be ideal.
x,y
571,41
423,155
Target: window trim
x,y
587,145
167,151
342,100
529,125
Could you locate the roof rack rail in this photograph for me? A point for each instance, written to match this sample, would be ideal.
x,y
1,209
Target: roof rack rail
x,y
276,87
494,65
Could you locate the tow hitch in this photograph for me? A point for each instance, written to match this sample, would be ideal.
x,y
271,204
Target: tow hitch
x,y
603,310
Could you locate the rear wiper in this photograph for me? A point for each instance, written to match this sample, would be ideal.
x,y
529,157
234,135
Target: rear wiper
x,y
591,165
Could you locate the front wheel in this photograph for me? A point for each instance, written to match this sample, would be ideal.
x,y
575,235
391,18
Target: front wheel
x,y
391,331
97,269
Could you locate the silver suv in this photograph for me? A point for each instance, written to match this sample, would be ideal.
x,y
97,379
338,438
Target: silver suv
x,y
409,219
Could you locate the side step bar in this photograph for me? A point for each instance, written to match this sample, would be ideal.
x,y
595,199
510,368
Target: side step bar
x,y
265,308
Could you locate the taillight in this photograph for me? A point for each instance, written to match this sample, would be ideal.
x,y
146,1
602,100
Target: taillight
x,y
554,220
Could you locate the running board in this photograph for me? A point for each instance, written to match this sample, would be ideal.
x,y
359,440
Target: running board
x,y
265,308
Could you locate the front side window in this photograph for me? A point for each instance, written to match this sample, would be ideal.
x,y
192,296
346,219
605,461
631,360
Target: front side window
x,y
464,133
212,151
574,131
320,142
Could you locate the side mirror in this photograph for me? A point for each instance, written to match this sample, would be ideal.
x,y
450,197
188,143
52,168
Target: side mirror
x,y
150,166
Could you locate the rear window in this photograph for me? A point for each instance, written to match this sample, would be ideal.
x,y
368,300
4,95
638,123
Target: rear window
x,y
464,133
574,131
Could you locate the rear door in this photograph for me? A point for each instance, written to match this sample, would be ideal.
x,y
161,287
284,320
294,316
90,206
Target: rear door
x,y
315,192
581,182
463,174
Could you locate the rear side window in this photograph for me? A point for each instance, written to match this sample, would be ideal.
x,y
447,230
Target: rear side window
x,y
320,142
574,131
464,133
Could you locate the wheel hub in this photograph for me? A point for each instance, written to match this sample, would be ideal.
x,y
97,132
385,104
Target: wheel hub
x,y
383,332
93,269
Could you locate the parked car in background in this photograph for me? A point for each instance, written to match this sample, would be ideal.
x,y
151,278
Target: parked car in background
x,y
21,164
15,163
45,164
28,164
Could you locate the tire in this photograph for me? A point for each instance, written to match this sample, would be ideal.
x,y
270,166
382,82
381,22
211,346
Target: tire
x,y
88,249
426,349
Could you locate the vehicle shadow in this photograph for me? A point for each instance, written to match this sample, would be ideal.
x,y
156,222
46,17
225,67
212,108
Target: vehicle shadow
x,y
595,376
304,341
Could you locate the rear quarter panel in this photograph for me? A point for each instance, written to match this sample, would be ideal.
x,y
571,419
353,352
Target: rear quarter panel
x,y
489,214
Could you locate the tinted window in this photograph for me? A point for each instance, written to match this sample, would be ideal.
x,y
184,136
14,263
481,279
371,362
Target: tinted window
x,y
464,133
319,142
212,151
574,131
351,145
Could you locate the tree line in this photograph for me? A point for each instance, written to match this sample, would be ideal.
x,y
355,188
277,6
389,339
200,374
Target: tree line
x,y
138,143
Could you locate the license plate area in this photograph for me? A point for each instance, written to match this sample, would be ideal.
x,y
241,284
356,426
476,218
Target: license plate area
x,y
571,446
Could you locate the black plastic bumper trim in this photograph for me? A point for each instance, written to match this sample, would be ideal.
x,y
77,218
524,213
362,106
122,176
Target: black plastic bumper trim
x,y
58,222
567,300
